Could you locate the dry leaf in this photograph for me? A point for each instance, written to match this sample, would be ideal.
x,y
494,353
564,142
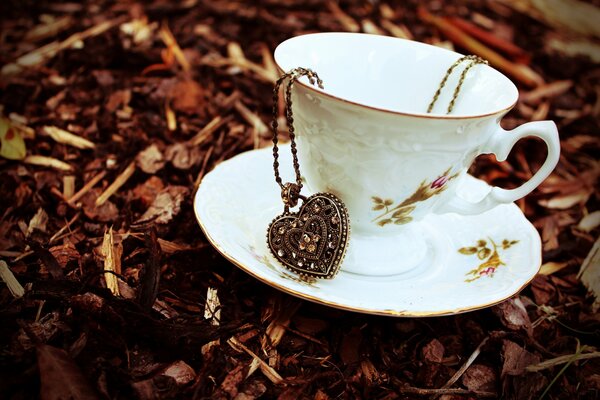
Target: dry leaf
x,y
562,202
65,253
589,274
180,372
12,145
233,379
104,213
433,351
513,315
516,358
183,156
146,192
479,377
165,206
60,377
187,96
150,160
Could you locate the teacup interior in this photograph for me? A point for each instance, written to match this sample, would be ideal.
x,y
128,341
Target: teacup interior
x,y
395,74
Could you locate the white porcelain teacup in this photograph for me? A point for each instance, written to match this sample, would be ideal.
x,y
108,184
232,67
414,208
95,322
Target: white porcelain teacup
x,y
367,138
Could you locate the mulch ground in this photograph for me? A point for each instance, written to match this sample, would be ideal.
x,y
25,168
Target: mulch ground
x,y
124,106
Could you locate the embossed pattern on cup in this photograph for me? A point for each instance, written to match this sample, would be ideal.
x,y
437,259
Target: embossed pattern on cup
x,y
366,136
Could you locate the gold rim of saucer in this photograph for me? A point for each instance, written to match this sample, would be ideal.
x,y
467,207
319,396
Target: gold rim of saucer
x,y
314,299
384,311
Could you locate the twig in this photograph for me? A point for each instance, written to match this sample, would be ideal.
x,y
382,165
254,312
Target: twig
x,y
169,40
399,31
267,370
253,119
86,188
571,359
344,19
464,367
520,72
425,392
113,187
204,164
44,53
64,228
490,39
561,360
208,129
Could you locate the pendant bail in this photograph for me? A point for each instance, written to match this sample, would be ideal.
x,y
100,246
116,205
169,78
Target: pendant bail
x,y
290,193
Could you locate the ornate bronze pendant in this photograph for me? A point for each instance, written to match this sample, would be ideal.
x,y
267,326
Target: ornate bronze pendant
x,y
311,242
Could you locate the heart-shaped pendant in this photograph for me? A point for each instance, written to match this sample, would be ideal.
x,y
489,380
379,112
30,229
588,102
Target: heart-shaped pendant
x,y
313,241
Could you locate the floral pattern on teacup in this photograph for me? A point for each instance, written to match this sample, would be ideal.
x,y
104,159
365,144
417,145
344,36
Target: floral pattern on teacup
x,y
490,258
400,214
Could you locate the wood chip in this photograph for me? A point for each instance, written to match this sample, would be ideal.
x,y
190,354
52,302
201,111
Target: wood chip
x,y
13,284
112,261
43,161
369,26
49,29
589,222
68,186
399,31
344,19
37,222
66,137
551,267
212,312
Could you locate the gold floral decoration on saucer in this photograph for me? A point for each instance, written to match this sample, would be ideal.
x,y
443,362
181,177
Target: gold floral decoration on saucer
x,y
490,257
400,214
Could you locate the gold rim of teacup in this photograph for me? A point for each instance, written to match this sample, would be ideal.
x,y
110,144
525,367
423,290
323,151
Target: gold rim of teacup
x,y
395,112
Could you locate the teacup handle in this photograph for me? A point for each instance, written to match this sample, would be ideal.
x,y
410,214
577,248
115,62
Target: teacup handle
x,y
500,144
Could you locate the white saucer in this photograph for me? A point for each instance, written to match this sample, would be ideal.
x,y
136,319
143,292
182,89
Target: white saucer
x,y
238,199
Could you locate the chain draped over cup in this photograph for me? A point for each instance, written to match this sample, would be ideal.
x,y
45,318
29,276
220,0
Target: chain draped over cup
x,y
313,241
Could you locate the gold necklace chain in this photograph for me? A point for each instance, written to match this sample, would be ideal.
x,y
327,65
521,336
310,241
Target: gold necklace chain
x,y
473,60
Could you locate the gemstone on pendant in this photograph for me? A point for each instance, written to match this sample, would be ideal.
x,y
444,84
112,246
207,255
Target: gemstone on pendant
x,y
281,230
293,254
316,238
335,220
305,218
312,248
280,253
294,224
306,238
331,245
316,208
300,263
302,246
